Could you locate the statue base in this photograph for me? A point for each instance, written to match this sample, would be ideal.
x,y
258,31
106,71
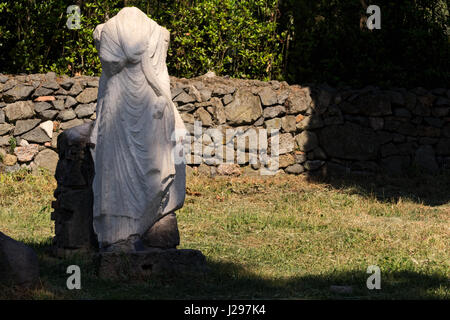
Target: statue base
x,y
153,261
153,253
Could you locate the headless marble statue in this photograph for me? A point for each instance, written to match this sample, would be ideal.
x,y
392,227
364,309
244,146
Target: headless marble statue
x,y
138,156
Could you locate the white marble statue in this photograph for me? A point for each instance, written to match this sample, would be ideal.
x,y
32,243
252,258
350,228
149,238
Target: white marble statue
x,y
139,177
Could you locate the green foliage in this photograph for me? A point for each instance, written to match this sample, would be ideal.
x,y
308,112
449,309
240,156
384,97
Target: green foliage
x,y
295,40
331,43
12,144
231,37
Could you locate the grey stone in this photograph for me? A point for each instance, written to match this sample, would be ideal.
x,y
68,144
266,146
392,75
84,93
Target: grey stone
x,y
87,96
389,149
41,106
307,141
51,85
192,91
443,147
325,97
19,110
310,123
206,94
187,118
376,123
435,122
74,175
294,169
272,112
19,92
319,154
397,98
259,122
285,160
66,115
37,135
360,120
440,112
312,165
244,109
47,159
61,105
446,131
204,117
268,96
425,159
50,76
93,83
163,234
11,169
85,110
48,114
186,107
441,101
4,141
71,124
333,115
5,128
428,131
184,98
300,157
349,141
229,169
365,167
402,112
41,92
2,117
67,84
286,143
373,104
176,91
3,78
217,110
395,165
299,100
273,123
70,102
430,141
76,89
153,261
221,90
282,97
227,99
288,123
23,126
18,263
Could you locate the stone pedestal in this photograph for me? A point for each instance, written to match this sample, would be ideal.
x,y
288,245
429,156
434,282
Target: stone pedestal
x,y
74,174
153,261
74,232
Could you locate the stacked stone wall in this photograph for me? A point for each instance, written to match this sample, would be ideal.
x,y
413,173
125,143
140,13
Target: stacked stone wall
x,y
320,129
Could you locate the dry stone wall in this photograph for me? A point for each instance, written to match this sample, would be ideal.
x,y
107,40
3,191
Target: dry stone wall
x,y
320,129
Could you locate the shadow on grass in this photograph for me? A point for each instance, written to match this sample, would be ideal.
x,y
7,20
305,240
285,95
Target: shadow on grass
x,y
226,281
420,188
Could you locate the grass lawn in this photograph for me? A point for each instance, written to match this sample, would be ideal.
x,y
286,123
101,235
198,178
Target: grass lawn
x,y
268,238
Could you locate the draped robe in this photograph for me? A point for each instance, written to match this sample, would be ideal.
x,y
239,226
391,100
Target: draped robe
x,y
139,177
